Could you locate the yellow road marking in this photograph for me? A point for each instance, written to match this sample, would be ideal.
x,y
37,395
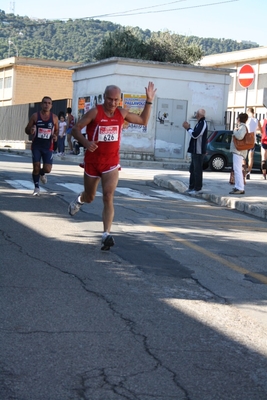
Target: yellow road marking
x,y
229,264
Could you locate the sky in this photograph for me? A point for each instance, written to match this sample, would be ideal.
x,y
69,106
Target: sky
x,y
221,19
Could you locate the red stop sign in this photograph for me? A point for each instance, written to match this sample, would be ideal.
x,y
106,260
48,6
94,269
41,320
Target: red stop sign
x,y
246,75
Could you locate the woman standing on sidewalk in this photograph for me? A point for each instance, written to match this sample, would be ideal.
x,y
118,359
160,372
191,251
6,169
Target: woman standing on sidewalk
x,y
239,156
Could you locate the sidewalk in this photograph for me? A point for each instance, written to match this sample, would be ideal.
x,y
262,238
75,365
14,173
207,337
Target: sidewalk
x,y
216,189
216,185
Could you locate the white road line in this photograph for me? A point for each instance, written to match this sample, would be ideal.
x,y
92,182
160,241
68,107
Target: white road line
x,y
20,184
11,155
134,193
78,188
75,187
163,193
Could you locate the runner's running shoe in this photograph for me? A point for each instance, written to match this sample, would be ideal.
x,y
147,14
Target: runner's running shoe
x,y
107,242
74,206
36,192
43,179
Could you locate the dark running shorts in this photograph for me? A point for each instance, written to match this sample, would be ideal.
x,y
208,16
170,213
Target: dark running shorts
x,y
42,154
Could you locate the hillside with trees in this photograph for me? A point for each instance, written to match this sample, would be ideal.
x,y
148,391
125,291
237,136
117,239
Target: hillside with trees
x,y
87,40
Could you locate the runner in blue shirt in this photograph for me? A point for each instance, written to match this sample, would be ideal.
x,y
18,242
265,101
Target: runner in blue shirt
x,y
43,125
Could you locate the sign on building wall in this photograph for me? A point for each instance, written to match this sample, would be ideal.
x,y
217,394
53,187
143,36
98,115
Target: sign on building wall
x,y
135,103
86,103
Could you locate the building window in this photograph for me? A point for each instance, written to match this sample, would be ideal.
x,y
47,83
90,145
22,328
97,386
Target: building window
x,y
262,83
7,82
1,83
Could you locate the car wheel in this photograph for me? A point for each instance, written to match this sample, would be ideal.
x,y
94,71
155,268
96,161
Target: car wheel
x,y
217,163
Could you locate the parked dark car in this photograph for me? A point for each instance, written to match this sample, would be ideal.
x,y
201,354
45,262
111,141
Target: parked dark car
x,y
218,155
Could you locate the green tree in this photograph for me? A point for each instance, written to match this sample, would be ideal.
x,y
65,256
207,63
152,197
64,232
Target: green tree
x,y
161,46
168,47
84,40
122,43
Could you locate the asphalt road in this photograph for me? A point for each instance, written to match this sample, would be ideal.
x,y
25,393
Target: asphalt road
x,y
176,310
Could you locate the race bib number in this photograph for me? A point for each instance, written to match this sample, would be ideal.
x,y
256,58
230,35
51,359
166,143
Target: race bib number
x,y
108,133
44,133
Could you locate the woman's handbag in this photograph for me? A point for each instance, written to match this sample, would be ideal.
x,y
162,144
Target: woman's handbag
x,y
232,177
247,143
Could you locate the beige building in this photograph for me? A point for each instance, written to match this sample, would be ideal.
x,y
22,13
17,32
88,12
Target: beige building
x,y
28,80
239,97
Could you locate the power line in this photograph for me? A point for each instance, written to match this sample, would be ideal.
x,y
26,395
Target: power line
x,y
130,12
137,9
123,14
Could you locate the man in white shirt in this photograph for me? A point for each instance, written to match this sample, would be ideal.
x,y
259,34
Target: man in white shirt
x,y
253,125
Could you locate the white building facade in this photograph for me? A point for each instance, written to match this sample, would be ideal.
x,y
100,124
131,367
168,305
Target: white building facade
x,y
239,97
181,91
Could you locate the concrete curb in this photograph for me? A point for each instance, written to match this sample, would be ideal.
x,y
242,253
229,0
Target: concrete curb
x,y
258,210
175,185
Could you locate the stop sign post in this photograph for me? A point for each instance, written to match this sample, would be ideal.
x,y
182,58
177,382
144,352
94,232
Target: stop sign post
x,y
245,78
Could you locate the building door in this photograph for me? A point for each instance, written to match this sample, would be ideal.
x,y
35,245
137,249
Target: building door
x,y
170,134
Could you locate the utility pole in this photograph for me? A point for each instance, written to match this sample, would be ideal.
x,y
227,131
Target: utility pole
x,y
12,7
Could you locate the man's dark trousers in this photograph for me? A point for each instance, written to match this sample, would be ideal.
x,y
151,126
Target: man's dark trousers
x,y
196,172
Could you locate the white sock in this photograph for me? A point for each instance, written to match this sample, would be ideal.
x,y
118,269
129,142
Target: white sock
x,y
79,200
105,234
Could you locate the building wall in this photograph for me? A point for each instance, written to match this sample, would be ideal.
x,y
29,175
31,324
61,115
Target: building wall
x,y
200,87
26,80
239,97
204,87
33,83
237,94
